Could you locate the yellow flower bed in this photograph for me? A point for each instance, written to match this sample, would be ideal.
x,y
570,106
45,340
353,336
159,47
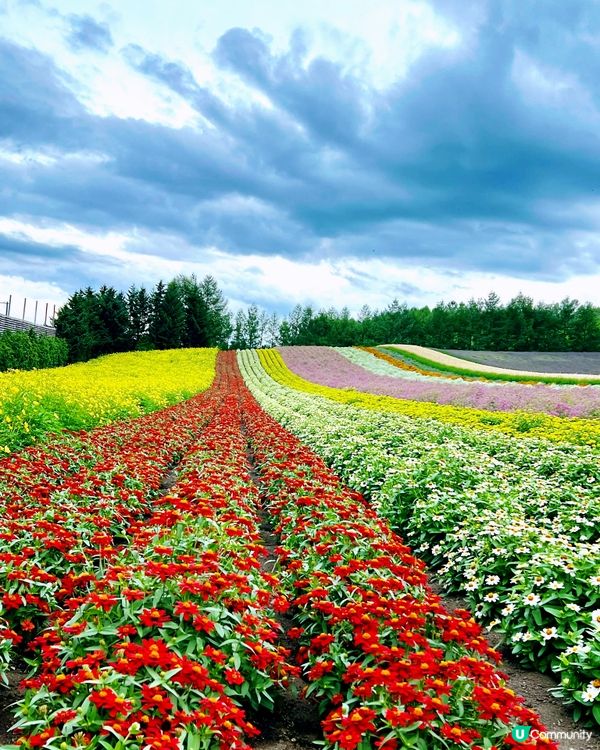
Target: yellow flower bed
x,y
88,394
518,424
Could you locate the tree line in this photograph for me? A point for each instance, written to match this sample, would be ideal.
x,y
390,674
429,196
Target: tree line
x,y
188,312
184,312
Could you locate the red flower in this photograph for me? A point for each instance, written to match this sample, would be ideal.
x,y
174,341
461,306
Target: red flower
x,y
153,618
156,699
233,677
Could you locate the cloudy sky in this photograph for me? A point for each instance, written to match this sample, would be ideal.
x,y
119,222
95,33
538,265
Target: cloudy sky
x,y
338,152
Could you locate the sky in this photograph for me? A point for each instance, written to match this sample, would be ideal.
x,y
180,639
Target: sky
x,y
342,153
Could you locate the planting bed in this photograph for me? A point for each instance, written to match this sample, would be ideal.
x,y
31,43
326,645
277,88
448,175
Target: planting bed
x,y
511,524
154,619
446,362
560,362
325,366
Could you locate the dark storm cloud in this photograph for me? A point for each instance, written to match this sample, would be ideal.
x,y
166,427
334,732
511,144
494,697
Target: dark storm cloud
x,y
87,33
459,163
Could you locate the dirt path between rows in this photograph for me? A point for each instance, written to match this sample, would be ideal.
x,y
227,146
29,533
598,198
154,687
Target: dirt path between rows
x,y
295,723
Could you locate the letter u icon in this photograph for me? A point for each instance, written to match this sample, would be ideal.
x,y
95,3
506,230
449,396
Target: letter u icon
x,y
521,733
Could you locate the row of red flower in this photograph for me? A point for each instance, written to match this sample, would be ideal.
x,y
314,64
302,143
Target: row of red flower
x,y
179,632
392,667
66,507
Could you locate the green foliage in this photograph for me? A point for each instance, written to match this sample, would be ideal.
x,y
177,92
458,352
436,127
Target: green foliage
x,y
484,324
31,351
188,312
185,312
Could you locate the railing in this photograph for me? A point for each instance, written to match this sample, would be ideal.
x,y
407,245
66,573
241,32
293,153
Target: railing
x,y
8,322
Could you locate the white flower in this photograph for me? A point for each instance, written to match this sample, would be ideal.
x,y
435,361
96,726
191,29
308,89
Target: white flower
x,y
578,648
509,609
517,637
596,618
548,633
492,580
590,694
573,606
538,580
471,585
491,597
595,580
556,585
531,599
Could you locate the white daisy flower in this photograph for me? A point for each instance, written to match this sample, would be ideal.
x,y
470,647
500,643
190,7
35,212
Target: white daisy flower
x,y
492,580
509,609
556,585
590,694
573,606
596,618
531,599
578,648
548,633
491,597
471,585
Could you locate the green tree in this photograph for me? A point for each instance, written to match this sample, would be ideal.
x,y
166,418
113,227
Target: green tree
x,y
139,306
218,317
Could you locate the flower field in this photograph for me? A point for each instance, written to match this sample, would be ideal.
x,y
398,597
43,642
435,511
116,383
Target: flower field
x,y
82,396
511,524
138,585
556,429
326,366
446,362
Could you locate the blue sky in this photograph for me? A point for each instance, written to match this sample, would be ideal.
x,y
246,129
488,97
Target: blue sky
x,y
345,152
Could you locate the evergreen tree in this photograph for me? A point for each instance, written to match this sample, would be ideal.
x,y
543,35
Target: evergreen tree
x,y
109,322
73,323
218,317
139,306
239,331
196,311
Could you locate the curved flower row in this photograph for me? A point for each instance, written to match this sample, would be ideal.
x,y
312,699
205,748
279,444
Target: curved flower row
x,y
499,519
66,508
84,395
326,366
178,632
391,666
379,363
395,360
517,424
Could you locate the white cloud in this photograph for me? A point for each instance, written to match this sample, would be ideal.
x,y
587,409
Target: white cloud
x,y
23,295
276,281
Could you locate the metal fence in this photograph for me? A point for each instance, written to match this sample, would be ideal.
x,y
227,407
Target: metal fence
x,y
43,316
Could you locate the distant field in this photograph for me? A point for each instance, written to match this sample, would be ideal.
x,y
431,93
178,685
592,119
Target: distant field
x,y
564,362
